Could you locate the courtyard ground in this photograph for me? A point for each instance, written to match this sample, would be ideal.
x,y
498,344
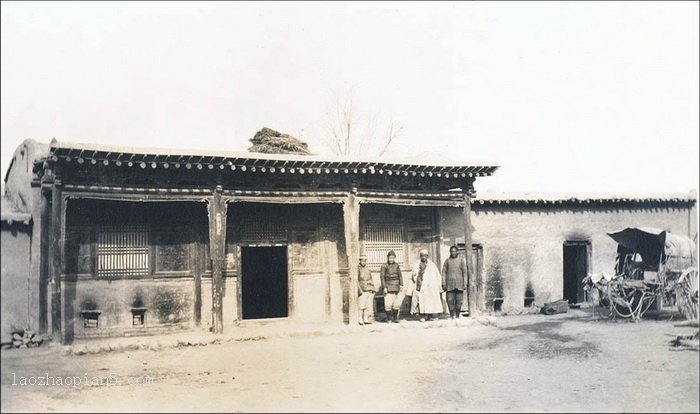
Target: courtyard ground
x,y
566,362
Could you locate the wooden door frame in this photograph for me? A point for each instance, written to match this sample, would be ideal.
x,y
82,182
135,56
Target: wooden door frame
x,y
588,245
239,278
478,274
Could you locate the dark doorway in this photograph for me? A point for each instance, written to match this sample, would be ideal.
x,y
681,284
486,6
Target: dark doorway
x,y
575,270
264,282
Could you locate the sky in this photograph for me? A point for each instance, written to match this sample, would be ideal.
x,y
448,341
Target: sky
x,y
566,97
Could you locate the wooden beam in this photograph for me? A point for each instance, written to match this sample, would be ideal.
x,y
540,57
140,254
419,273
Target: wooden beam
x,y
217,245
199,196
411,202
351,220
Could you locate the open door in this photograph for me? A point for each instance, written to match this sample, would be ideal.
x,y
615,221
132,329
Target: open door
x,y
265,286
575,269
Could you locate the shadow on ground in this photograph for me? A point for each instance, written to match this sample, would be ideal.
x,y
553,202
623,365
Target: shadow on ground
x,y
542,340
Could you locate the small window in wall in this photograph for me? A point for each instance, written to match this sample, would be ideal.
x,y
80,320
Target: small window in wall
x,y
379,238
91,319
123,250
138,317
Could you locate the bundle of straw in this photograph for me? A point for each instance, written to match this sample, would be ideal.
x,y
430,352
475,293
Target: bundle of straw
x,y
269,141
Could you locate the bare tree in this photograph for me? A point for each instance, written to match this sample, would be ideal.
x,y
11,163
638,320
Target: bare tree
x,y
352,133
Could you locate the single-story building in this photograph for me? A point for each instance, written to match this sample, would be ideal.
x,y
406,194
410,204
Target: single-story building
x,y
137,241
538,248
130,241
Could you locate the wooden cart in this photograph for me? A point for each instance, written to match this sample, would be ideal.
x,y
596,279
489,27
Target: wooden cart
x,y
654,268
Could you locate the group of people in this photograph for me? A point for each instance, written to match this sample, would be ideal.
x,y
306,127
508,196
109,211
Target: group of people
x,y
425,289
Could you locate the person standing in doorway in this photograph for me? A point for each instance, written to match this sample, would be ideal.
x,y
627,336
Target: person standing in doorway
x,y
426,277
365,291
392,283
454,280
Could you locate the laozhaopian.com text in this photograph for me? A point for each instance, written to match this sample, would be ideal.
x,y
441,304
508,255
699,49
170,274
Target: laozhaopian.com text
x,y
75,381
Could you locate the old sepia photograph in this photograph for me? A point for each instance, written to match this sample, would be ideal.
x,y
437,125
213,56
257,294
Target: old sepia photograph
x,y
349,206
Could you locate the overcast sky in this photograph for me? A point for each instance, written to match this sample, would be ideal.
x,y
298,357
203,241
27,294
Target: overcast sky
x,y
566,97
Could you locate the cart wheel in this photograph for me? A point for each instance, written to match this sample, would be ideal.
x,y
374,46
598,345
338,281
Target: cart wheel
x,y
687,294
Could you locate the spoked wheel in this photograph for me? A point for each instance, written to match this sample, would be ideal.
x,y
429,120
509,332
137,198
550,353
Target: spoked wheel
x,y
687,294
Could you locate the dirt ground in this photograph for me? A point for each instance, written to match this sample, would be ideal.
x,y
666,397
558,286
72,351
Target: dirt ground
x,y
527,363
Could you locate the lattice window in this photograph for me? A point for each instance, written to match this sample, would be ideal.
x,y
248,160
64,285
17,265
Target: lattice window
x,y
379,238
123,250
263,228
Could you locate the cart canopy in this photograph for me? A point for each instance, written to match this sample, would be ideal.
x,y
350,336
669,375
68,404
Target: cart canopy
x,y
658,246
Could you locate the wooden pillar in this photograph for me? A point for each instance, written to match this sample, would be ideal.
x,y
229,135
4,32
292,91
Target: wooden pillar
x,y
437,235
217,247
55,256
472,299
199,268
351,220
326,259
44,256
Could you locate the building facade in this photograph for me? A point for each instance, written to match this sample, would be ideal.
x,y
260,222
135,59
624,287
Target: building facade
x,y
123,241
147,241
538,249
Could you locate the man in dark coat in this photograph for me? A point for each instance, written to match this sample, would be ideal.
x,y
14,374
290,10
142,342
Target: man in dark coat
x,y
392,282
454,280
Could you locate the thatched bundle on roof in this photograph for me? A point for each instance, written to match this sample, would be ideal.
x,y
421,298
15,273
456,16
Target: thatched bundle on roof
x,y
269,141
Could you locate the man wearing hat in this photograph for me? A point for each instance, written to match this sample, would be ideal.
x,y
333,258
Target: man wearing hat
x,y
392,283
426,297
454,281
365,290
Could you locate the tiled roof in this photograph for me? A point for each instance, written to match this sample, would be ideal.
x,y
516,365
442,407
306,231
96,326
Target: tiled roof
x,y
583,199
166,158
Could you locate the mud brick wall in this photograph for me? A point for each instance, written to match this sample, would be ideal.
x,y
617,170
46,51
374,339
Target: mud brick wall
x,y
523,245
27,260
15,277
176,241
169,304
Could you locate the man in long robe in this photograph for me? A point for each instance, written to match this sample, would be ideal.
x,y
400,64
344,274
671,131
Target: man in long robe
x,y
428,287
454,281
